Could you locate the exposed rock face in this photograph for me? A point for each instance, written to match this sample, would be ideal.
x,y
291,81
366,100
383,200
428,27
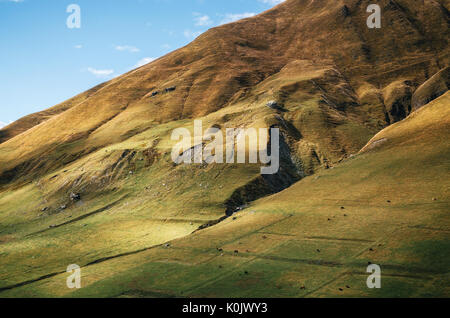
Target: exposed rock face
x,y
397,99
273,104
290,172
435,87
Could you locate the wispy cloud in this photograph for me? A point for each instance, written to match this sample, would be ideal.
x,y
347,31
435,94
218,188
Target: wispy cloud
x,y
128,48
191,34
100,73
144,61
202,20
272,2
231,17
78,46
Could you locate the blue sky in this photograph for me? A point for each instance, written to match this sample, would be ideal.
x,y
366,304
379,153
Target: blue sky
x,y
43,62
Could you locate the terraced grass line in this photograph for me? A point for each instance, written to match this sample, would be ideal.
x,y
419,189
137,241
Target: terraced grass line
x,y
218,277
278,234
368,204
105,208
292,260
2,289
338,239
256,231
418,270
101,260
338,276
420,227
397,275
104,259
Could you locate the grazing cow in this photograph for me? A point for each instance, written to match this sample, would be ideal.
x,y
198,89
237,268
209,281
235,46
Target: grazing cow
x,y
170,89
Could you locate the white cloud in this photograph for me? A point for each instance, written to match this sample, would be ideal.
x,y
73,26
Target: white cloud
x,y
144,61
79,46
272,2
100,73
231,17
191,34
129,48
202,20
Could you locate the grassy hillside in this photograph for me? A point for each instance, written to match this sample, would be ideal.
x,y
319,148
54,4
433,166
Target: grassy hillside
x,y
314,239
91,181
223,65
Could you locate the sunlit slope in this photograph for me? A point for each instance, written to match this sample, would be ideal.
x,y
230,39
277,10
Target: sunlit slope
x,y
28,122
337,84
387,205
132,198
222,66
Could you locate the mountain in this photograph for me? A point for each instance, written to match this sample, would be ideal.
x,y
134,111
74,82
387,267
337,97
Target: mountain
x,y
363,115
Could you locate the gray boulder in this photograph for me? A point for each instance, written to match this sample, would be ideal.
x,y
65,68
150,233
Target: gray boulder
x,y
273,104
75,196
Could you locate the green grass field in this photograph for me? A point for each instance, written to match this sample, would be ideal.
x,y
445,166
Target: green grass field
x,y
387,205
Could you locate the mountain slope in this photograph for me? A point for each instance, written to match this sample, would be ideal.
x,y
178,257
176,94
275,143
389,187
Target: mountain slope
x,y
222,66
92,179
318,245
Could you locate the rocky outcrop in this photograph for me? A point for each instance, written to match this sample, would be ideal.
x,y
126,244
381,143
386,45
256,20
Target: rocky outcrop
x,y
289,173
274,105
75,197
397,99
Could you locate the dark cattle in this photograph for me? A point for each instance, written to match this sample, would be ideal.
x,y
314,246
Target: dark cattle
x,y
75,197
170,89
